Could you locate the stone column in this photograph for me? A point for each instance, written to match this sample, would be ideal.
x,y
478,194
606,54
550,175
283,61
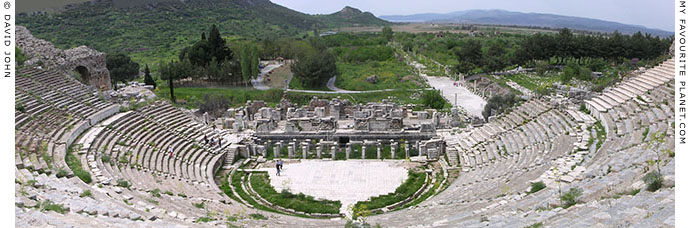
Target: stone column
x,y
318,151
394,147
348,149
378,149
291,150
276,151
334,150
364,151
416,146
305,149
407,149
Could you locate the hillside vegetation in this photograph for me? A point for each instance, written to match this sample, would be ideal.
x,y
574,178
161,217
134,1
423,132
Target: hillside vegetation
x,y
155,32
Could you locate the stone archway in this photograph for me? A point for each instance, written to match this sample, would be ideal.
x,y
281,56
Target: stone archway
x,y
82,74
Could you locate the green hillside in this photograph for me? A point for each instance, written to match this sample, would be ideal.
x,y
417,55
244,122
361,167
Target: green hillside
x,y
153,32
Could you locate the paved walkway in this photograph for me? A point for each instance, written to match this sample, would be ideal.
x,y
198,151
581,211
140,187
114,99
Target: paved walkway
x,y
469,101
347,181
258,82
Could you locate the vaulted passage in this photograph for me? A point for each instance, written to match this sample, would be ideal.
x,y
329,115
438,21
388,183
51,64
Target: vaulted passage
x,y
82,74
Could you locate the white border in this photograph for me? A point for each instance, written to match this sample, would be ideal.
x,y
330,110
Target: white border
x,y
681,122
7,113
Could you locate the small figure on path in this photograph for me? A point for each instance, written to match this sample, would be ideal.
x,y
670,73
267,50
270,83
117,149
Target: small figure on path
x,y
170,150
278,168
280,164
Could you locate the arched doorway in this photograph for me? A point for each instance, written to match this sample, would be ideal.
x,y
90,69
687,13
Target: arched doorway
x,y
82,74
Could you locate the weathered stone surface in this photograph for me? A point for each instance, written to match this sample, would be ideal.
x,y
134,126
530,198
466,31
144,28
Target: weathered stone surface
x,y
88,62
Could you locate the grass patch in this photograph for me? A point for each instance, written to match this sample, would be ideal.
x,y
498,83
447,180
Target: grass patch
x,y
413,183
536,225
340,154
285,199
123,183
371,152
601,133
203,219
236,96
391,74
356,152
405,96
74,164
50,206
536,186
258,216
86,193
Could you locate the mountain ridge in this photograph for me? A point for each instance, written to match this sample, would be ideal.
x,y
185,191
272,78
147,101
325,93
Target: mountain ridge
x,y
505,17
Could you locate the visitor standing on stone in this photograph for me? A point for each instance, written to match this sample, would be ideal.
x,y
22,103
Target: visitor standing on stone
x,y
206,139
220,142
170,150
280,164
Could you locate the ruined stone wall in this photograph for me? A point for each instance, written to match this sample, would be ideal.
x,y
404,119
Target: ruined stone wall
x,y
41,53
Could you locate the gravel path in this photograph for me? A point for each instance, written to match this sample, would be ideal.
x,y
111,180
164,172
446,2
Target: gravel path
x,y
258,82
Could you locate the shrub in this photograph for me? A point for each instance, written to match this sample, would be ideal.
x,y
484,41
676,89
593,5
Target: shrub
x,y
123,183
19,107
199,205
654,181
156,193
570,198
86,193
61,173
433,99
105,158
537,186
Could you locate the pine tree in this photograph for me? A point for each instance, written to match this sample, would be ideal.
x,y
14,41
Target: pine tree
x,y
148,80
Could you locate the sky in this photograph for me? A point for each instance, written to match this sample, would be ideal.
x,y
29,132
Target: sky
x,y
649,13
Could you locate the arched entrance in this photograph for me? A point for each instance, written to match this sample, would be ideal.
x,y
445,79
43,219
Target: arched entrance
x,y
82,74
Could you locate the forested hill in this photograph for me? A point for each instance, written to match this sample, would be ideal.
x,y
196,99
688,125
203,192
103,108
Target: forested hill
x,y
157,30
349,16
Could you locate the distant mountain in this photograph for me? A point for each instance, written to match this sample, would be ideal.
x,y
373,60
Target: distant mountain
x,y
352,16
503,17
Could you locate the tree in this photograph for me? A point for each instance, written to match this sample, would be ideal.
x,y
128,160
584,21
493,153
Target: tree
x,y
217,46
469,56
387,33
148,80
497,104
214,105
121,68
313,68
541,67
433,99
245,64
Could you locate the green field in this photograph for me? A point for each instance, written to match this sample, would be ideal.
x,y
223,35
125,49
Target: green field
x,y
237,96
391,75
